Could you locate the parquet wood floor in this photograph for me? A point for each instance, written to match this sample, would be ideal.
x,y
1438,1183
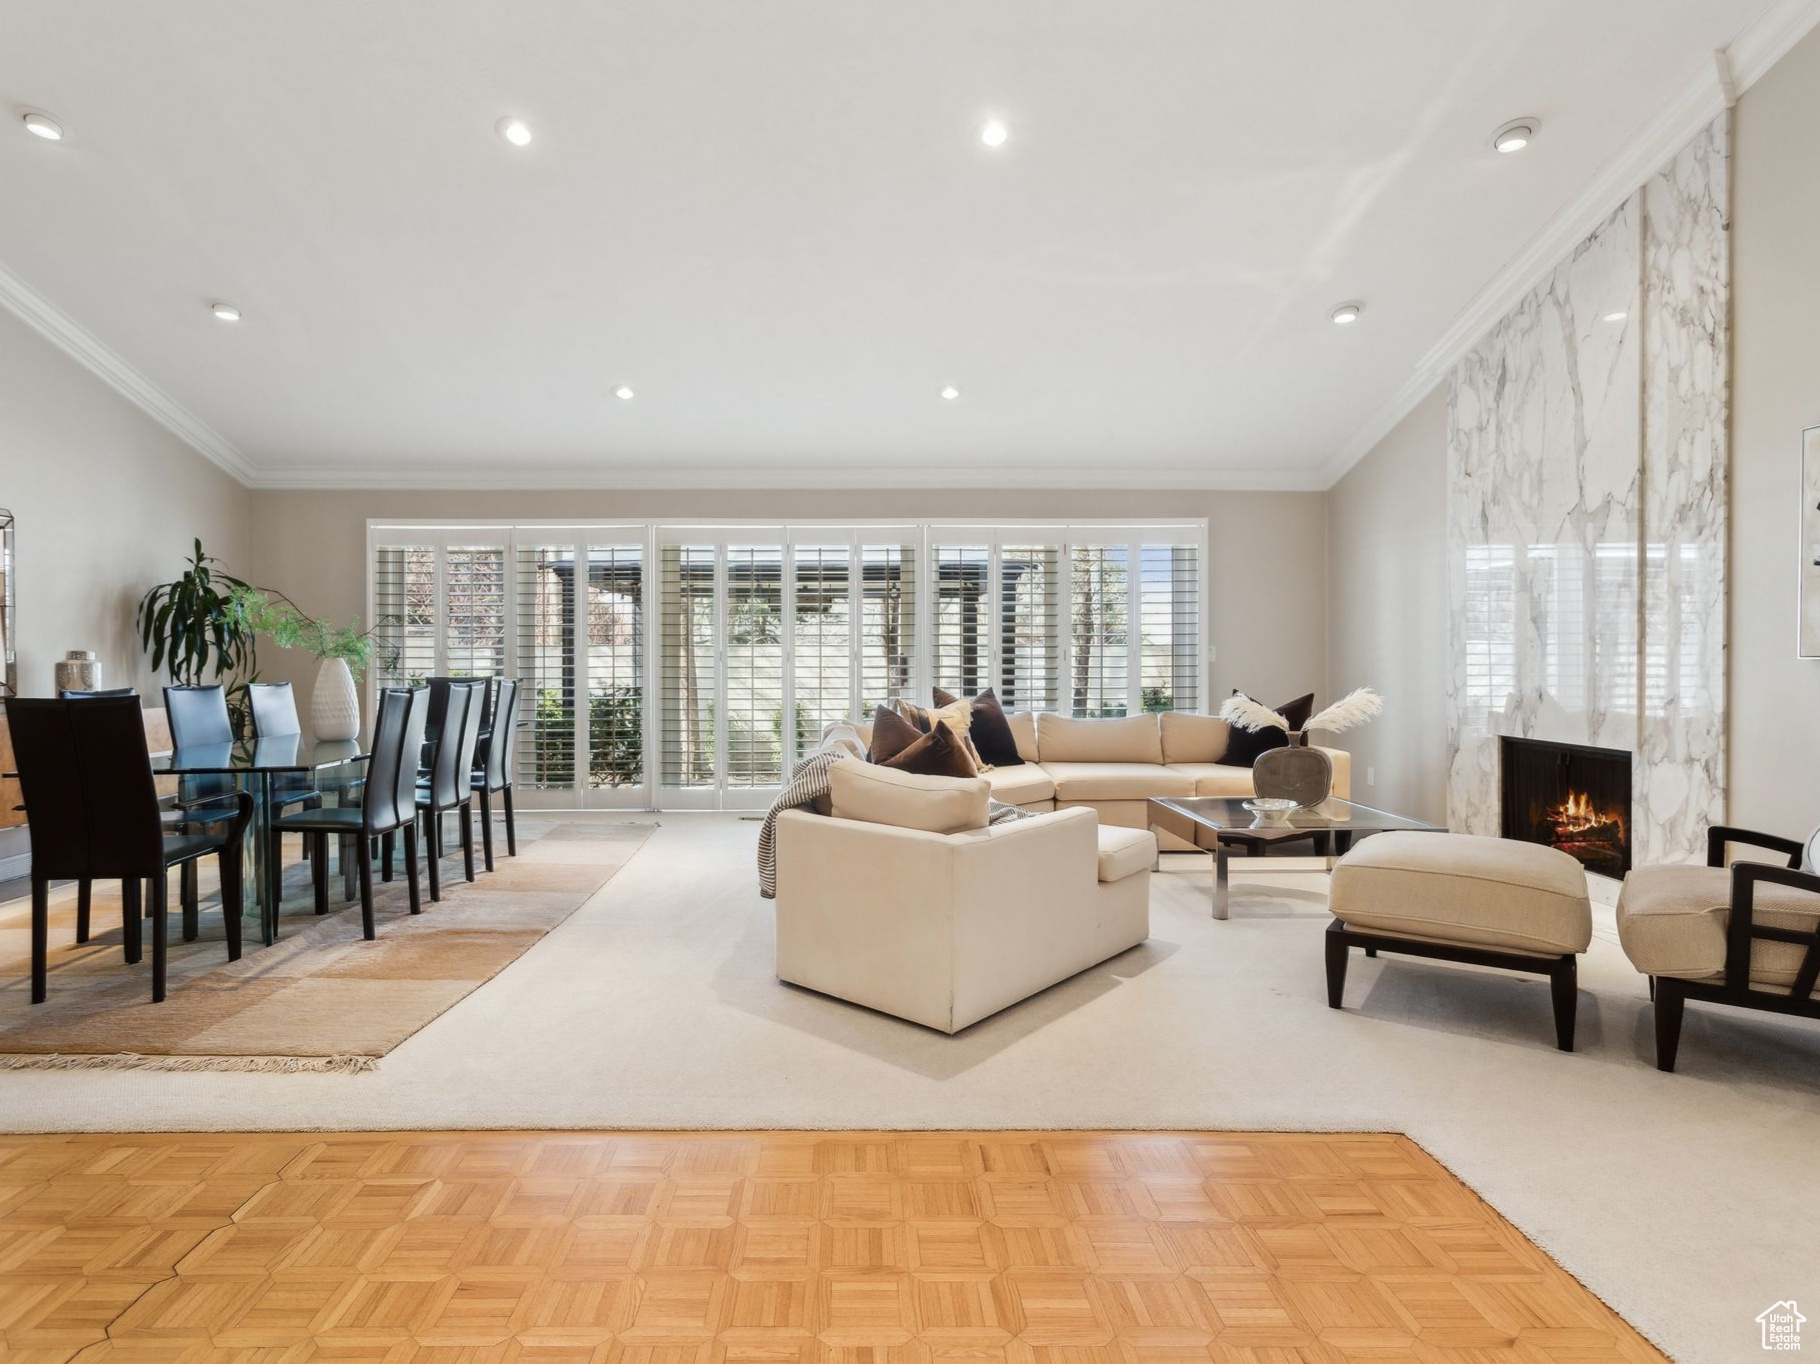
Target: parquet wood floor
x,y
773,1248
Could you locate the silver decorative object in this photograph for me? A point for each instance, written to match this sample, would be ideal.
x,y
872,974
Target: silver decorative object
x,y
1304,775
79,670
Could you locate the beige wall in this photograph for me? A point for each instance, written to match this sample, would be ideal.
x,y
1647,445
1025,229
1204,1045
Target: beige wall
x,y
1267,551
1774,697
107,502
1387,611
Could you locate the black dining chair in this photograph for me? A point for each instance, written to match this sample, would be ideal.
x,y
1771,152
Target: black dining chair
x,y
198,718
84,888
274,710
450,786
495,759
93,814
389,806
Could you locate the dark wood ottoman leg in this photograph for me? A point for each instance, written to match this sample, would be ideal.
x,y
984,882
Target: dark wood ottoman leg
x,y
1671,1003
1564,984
1336,963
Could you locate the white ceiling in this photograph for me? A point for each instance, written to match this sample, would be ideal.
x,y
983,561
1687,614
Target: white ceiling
x,y
774,221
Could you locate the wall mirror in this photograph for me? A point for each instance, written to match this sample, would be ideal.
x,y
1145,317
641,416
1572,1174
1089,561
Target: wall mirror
x,y
9,662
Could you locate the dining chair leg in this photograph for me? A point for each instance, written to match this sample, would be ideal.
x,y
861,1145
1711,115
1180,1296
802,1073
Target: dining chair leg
x,y
85,890
486,826
232,903
190,894
432,840
388,844
366,898
467,838
41,936
351,848
132,920
410,865
505,795
161,893
319,870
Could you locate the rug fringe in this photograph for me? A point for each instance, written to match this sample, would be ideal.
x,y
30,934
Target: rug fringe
x,y
266,1065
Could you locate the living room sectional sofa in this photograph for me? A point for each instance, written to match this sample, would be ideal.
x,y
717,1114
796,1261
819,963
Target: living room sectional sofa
x,y
1113,766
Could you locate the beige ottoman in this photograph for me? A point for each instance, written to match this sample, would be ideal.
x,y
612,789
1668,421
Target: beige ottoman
x,y
1458,897
1127,857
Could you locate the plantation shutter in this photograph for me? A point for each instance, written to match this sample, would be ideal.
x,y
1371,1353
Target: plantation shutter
x,y
821,639
474,592
960,620
546,667
1030,636
689,635
754,651
404,614
1169,595
887,637
1099,642
616,666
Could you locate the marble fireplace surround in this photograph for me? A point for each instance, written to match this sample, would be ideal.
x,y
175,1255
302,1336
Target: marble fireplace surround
x,y
1587,484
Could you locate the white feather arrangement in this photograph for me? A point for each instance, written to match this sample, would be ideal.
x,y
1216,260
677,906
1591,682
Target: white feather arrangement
x,y
1349,712
1241,712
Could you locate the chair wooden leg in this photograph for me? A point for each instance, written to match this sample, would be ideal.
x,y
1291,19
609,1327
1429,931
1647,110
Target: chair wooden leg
x,y
1564,986
161,894
41,936
319,870
232,903
432,841
192,900
505,795
486,826
467,838
1336,965
85,890
1671,1004
366,898
410,865
388,844
351,848
132,920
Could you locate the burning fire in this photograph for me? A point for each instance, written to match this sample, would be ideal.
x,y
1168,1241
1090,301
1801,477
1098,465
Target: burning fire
x,y
1575,817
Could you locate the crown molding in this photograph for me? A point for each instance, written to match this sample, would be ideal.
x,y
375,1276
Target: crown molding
x,y
1700,100
82,346
720,477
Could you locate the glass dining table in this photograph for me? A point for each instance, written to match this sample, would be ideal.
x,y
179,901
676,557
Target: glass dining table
x,y
269,769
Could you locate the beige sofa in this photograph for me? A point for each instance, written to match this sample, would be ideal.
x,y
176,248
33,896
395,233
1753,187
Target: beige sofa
x,y
1113,766
946,928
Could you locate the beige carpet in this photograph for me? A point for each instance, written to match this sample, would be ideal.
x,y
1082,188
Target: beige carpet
x,y
322,997
1680,1199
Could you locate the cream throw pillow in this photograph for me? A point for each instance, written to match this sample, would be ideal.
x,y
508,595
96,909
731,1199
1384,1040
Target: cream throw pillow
x,y
958,717
884,795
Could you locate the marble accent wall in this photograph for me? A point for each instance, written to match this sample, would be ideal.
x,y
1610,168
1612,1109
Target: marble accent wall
x,y
1586,513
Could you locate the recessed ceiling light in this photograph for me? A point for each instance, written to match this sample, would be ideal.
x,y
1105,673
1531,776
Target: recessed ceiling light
x,y
1347,314
515,130
44,126
226,312
994,132
1614,317
950,393
624,393
1515,135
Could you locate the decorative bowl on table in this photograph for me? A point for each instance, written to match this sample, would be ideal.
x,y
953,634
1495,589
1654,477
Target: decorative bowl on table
x,y
1272,809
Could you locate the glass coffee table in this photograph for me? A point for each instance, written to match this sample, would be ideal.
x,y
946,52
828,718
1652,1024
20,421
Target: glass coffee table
x,y
1217,824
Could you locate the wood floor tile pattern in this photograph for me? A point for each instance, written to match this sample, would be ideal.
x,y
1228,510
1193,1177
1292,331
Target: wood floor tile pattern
x,y
773,1248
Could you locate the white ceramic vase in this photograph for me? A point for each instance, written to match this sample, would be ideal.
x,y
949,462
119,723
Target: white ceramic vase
x,y
335,704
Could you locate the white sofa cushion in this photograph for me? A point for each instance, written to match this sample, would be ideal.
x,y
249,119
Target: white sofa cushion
x,y
884,795
1217,779
1023,733
1125,852
1193,738
1025,785
1134,739
1116,781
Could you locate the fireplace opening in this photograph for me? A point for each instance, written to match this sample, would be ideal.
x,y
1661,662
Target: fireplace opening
x,y
1570,797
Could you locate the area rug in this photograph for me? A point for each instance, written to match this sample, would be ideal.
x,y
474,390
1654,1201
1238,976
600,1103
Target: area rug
x,y
320,999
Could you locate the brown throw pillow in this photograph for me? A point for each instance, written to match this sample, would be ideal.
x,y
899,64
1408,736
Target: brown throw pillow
x,y
935,754
990,730
891,735
1243,748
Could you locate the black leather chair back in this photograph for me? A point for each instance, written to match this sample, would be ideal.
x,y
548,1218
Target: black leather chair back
x,y
404,788
274,707
67,694
126,839
502,742
50,779
451,775
379,806
198,716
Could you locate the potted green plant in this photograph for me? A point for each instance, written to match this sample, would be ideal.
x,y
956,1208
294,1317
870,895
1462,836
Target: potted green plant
x,y
340,653
191,627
